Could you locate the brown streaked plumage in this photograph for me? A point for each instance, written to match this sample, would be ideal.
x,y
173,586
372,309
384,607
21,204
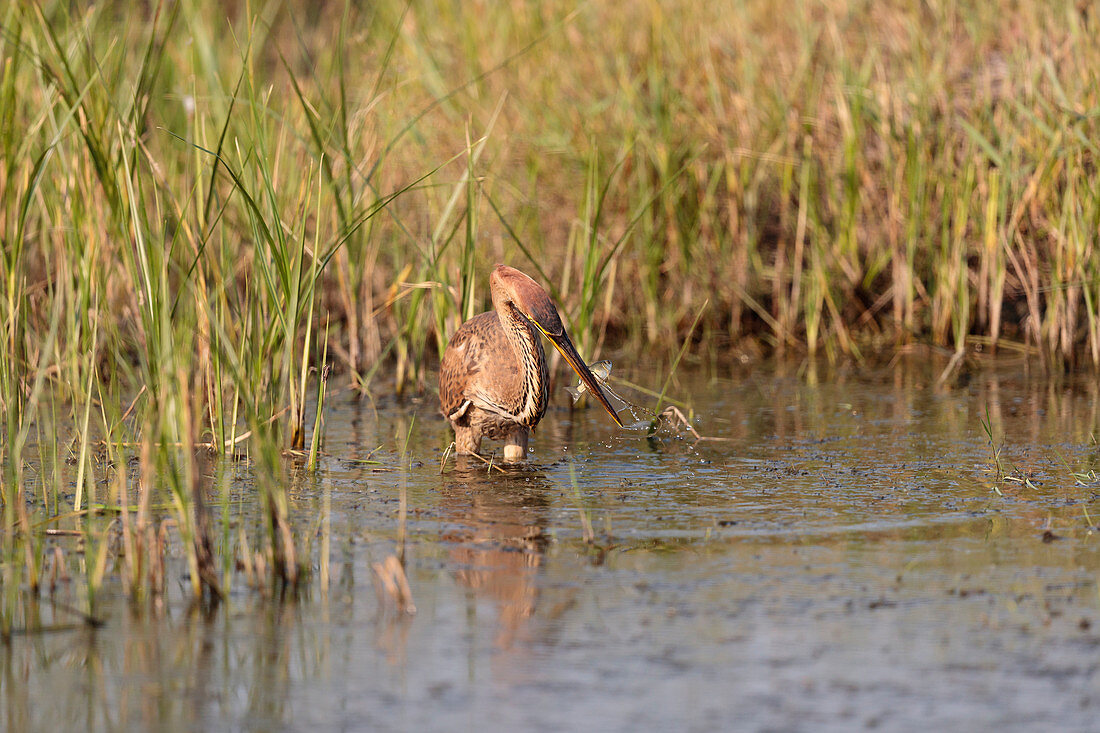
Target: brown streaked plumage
x,y
494,382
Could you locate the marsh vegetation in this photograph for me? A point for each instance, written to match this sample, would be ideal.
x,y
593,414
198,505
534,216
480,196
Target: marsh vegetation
x,y
205,212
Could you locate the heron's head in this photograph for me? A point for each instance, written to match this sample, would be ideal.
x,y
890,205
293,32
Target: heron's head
x,y
513,289
517,294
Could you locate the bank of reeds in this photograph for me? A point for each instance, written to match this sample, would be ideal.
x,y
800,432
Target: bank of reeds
x,y
197,199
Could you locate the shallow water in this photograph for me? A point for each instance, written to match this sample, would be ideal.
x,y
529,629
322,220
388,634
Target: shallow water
x,y
840,555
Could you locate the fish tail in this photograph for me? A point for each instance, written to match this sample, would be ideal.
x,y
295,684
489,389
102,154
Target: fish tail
x,y
574,392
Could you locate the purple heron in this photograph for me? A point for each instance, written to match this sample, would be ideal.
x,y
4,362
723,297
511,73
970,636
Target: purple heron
x,y
493,381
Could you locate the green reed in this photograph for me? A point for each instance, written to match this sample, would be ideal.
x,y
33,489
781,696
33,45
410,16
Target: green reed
x,y
808,197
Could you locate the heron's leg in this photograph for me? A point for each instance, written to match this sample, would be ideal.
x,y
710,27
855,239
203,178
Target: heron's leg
x,y
515,445
467,440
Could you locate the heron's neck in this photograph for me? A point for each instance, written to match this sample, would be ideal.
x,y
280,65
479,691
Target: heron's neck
x,y
527,346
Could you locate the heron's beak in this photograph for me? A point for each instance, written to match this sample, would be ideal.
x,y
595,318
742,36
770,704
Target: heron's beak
x,y
565,346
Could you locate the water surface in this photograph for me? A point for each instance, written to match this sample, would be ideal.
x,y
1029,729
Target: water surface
x,y
838,554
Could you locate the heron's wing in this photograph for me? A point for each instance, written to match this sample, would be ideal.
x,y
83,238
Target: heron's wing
x,y
461,372
484,400
460,411
457,370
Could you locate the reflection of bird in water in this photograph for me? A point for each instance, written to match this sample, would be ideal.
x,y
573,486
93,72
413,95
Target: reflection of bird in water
x,y
493,380
498,542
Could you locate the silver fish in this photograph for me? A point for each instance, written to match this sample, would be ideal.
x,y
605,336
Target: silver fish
x,y
601,370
